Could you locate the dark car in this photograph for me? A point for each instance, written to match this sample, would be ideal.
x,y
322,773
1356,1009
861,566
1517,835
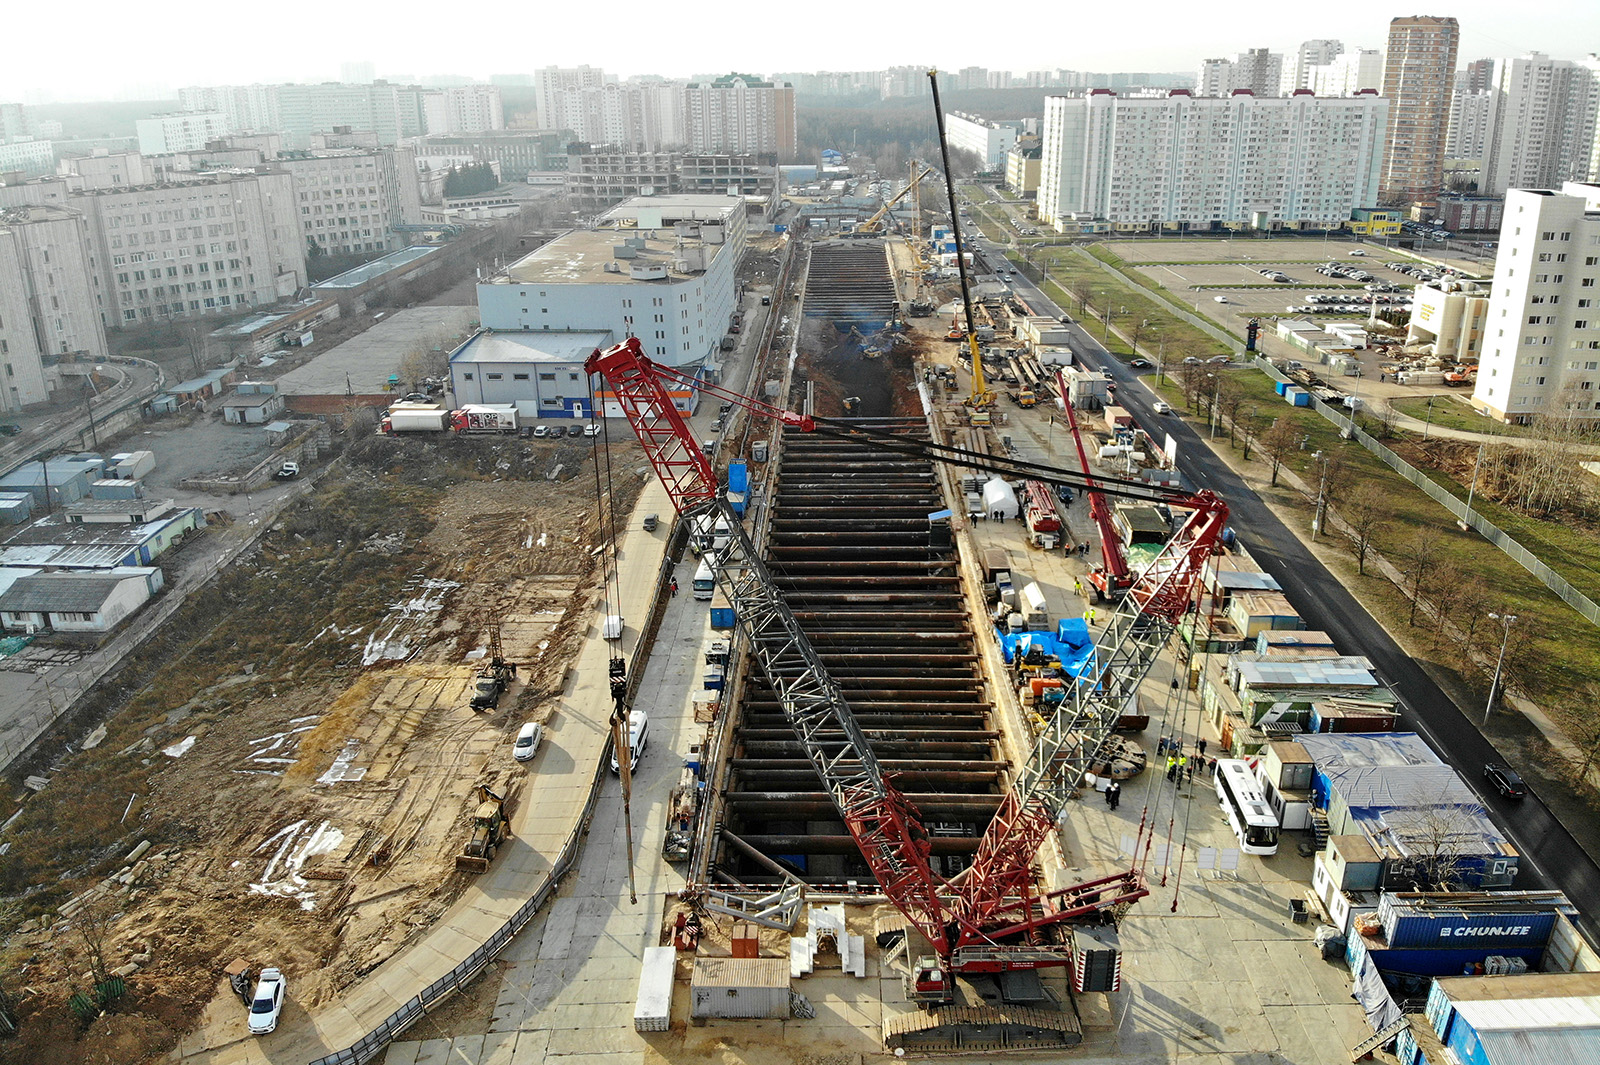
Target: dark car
x,y
1505,780
9,429
1140,364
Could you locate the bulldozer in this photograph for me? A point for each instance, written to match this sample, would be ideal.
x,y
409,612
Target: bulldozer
x,y
489,831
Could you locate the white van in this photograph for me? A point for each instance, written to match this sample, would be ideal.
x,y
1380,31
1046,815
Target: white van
x,y
638,739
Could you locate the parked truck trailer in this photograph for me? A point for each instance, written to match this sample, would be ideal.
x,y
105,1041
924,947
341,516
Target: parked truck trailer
x,y
415,418
485,418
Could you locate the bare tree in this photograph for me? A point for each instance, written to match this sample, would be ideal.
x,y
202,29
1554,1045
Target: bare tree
x,y
1230,397
1433,841
1192,376
1419,557
93,922
1082,291
1473,601
1446,589
1366,514
1586,734
1278,442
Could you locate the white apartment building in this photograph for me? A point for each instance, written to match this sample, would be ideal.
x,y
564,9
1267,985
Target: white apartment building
x,y
350,200
212,245
663,269
53,296
463,109
246,107
1298,67
1542,123
1184,162
1542,344
989,141
1259,70
557,88
180,131
741,115
1347,74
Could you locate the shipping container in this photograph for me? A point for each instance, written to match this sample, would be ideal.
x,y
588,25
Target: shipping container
x,y
730,988
1431,921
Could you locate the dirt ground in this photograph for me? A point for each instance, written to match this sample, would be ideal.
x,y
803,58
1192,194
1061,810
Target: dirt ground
x,y
296,744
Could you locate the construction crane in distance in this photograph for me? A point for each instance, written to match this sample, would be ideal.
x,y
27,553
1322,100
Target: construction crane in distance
x,y
981,398
993,916
873,225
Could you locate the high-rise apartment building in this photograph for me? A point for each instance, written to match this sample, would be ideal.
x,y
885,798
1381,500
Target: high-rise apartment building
x,y
212,245
463,109
1347,74
1542,123
739,114
246,107
1298,67
350,200
1259,70
1203,163
1471,116
556,90
1541,352
180,131
1418,77
53,296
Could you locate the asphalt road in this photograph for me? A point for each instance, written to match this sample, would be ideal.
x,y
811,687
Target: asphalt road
x,y
1550,857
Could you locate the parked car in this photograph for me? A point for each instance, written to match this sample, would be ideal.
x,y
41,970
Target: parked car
x,y
541,431
526,744
592,429
288,471
267,1003
1140,364
574,430
1162,407
1356,251
1220,299
1505,780
651,522
1219,359
1191,361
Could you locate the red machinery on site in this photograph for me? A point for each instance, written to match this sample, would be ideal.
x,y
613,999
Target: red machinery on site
x,y
993,915
1111,579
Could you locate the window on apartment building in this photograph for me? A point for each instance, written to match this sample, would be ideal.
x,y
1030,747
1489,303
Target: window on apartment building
x,y
1544,256
1581,323
1548,234
1567,235
1587,282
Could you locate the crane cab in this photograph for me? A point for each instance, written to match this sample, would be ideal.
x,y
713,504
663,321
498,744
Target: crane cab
x,y
927,984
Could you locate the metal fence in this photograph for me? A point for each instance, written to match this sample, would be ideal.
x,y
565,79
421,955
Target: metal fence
x,y
1486,528
376,1041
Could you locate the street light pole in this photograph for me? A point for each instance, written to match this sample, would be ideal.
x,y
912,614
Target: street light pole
x,y
1216,395
1505,638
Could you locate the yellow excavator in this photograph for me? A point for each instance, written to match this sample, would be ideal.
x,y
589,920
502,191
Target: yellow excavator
x,y
981,398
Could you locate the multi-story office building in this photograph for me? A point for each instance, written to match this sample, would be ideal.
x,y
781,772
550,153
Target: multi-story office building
x,y
29,156
663,269
211,245
1541,350
1418,77
599,178
180,131
53,296
1298,68
1259,70
1347,74
739,114
1451,316
351,200
1542,122
989,141
463,109
557,90
519,152
1201,163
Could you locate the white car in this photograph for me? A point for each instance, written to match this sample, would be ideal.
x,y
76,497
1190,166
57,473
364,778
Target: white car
x,y
541,431
592,429
527,741
267,1003
1162,407
1356,251
1220,299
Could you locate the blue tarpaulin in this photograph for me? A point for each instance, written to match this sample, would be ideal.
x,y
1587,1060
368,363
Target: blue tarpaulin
x,y
1070,643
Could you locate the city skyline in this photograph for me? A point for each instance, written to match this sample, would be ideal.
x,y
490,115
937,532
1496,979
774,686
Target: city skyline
x,y
129,49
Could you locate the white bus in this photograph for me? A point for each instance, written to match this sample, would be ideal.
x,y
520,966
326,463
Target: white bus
x,y
1248,813
705,578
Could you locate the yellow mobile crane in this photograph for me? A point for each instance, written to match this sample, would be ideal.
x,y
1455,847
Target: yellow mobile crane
x,y
981,399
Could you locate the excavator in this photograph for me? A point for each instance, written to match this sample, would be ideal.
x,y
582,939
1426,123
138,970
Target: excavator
x,y
489,831
995,915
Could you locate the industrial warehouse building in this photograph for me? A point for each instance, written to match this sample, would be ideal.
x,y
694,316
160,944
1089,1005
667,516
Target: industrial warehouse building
x,y
541,373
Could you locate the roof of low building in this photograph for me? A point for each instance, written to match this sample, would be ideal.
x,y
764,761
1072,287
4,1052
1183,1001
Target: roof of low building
x,y
488,346
82,593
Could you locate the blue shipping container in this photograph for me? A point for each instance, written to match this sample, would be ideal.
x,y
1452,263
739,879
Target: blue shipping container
x,y
1280,386
722,617
1526,930
1301,399
738,477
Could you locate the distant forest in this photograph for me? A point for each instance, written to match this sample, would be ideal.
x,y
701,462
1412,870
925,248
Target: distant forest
x,y
101,118
891,132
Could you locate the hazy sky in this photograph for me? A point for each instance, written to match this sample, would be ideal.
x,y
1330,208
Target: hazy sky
x,y
96,50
